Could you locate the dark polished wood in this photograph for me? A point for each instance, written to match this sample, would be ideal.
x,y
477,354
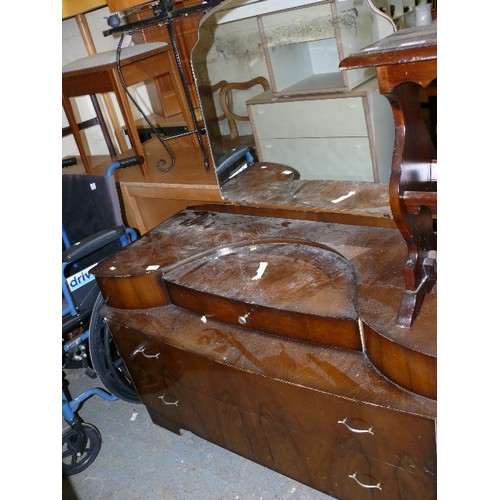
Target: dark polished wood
x,y
406,62
277,339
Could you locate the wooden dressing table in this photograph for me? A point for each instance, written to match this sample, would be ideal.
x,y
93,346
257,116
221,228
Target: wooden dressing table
x,y
279,338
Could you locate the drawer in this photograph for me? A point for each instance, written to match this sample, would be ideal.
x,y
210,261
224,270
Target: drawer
x,y
295,431
343,470
172,381
342,159
336,117
337,463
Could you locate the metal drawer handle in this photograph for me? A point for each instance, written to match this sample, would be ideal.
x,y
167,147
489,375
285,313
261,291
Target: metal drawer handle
x,y
176,403
372,486
359,431
146,355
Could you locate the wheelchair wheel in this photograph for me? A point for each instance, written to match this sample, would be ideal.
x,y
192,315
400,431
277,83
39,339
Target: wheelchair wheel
x,y
79,449
106,360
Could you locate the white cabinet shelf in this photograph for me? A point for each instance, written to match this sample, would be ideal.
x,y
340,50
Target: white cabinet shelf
x,y
303,46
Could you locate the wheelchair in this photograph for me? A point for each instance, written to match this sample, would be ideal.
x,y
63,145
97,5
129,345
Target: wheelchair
x,y
92,231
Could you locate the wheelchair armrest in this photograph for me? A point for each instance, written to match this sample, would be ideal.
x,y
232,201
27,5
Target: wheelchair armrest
x,y
92,243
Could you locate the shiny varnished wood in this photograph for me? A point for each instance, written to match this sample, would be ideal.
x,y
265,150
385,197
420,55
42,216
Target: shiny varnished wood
x,y
376,255
173,99
317,415
406,61
244,284
299,364
276,189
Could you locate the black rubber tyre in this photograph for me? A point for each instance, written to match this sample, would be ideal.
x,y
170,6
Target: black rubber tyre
x,y
106,360
79,450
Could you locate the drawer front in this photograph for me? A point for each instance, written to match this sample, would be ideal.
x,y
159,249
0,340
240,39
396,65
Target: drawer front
x,y
338,465
161,372
343,159
348,473
339,117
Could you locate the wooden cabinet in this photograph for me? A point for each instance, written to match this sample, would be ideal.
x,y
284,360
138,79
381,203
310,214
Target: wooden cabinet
x,y
344,136
312,407
339,445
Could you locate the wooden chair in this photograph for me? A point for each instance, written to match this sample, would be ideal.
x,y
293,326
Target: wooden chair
x,y
78,9
232,149
226,101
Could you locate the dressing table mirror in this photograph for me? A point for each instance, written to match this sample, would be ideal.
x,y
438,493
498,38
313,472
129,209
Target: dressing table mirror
x,y
321,138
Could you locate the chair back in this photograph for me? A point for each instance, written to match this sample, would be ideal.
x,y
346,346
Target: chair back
x,y
89,204
226,101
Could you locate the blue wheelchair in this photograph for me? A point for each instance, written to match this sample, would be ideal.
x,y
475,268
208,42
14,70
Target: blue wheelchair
x,y
92,231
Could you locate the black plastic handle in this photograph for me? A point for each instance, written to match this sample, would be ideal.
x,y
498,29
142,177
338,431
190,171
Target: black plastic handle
x,y
131,161
68,161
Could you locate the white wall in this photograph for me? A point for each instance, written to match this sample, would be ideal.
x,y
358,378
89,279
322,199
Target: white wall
x,y
73,48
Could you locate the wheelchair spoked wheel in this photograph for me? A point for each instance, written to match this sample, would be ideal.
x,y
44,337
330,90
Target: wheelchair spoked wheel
x,y
79,449
106,361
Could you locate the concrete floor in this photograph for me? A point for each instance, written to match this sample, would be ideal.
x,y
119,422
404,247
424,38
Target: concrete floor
x,y
140,460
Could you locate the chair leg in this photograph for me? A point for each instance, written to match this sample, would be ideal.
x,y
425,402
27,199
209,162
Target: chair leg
x,y
104,128
123,102
75,130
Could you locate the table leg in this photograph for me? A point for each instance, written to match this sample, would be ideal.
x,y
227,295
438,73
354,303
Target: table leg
x,y
412,195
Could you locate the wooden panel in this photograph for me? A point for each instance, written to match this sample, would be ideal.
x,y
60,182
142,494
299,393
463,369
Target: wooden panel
x,y
186,35
245,285
116,5
141,291
71,8
378,257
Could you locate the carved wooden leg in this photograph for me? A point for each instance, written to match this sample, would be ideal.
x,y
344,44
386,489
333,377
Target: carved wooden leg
x,y
412,195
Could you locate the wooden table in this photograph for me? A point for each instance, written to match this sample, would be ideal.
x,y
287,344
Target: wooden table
x,y
406,63
99,74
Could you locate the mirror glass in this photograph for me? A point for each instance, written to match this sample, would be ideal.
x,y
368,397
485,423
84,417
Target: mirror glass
x,y
270,87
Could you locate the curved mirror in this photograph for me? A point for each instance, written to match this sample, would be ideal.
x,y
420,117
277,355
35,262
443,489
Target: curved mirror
x,y
271,93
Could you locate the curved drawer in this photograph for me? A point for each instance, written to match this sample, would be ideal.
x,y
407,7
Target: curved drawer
x,y
294,289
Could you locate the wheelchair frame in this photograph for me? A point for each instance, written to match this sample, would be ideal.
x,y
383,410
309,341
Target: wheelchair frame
x,y
82,441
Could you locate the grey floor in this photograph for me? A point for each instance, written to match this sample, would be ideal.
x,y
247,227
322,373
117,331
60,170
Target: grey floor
x,y
140,460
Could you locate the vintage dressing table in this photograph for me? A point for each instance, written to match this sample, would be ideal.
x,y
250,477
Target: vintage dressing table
x,y
279,338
